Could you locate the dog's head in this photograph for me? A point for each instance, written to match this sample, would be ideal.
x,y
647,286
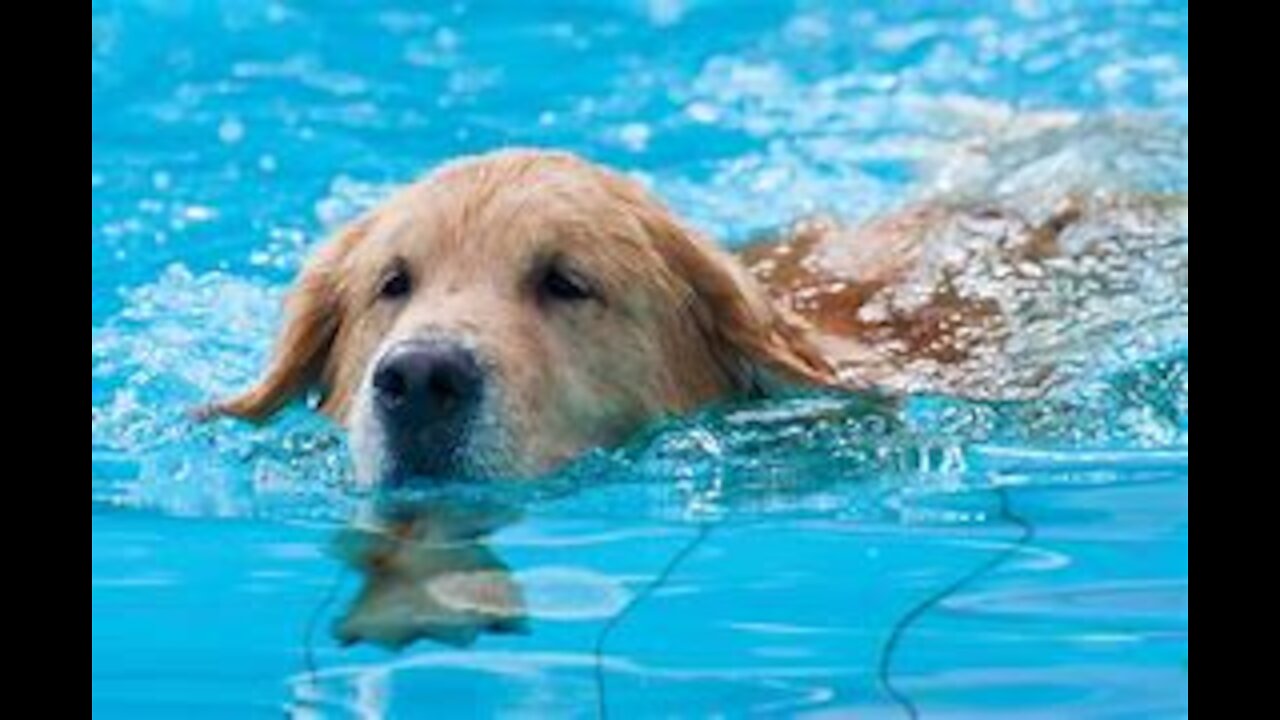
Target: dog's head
x,y
513,310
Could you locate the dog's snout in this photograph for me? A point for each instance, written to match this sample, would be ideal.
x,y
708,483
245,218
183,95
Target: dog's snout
x,y
419,383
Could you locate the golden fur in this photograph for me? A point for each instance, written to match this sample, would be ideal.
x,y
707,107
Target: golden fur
x,y
678,324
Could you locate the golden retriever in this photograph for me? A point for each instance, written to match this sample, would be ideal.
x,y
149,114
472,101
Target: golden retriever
x,y
510,311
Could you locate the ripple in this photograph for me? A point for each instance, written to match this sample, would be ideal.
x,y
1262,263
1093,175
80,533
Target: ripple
x,y
1144,601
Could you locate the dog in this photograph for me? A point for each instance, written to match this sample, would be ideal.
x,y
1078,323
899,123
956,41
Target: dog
x,y
511,311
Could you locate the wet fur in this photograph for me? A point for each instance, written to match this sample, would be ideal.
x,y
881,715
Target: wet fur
x,y
683,324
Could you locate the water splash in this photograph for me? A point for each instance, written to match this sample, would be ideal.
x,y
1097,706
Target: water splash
x,y
178,345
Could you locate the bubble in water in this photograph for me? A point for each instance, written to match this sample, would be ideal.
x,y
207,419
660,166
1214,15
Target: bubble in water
x,y
232,131
635,136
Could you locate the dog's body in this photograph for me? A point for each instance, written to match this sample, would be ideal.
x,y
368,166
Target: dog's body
x,y
950,297
510,311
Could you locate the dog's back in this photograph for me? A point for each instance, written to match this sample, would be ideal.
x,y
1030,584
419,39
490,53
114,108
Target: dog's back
x,y
996,301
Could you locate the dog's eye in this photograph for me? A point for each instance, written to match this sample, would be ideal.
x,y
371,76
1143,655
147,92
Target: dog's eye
x,y
563,286
397,284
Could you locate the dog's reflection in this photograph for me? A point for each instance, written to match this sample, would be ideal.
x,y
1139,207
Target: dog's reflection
x,y
428,574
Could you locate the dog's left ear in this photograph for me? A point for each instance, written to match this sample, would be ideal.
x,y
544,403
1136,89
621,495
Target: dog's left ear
x,y
758,343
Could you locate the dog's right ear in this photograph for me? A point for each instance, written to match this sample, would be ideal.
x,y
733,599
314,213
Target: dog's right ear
x,y
313,316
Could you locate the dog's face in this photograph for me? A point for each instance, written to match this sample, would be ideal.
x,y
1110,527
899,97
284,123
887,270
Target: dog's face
x,y
513,310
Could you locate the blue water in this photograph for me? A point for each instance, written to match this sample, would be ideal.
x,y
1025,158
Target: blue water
x,y
793,558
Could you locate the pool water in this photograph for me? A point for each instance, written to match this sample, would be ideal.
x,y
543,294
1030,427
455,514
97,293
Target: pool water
x,y
796,557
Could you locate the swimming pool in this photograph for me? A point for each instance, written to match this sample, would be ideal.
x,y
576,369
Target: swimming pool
x,y
795,558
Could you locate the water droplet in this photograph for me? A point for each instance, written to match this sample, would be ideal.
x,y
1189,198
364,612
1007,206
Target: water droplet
x,y
232,131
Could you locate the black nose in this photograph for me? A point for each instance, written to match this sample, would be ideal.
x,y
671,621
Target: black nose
x,y
421,383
